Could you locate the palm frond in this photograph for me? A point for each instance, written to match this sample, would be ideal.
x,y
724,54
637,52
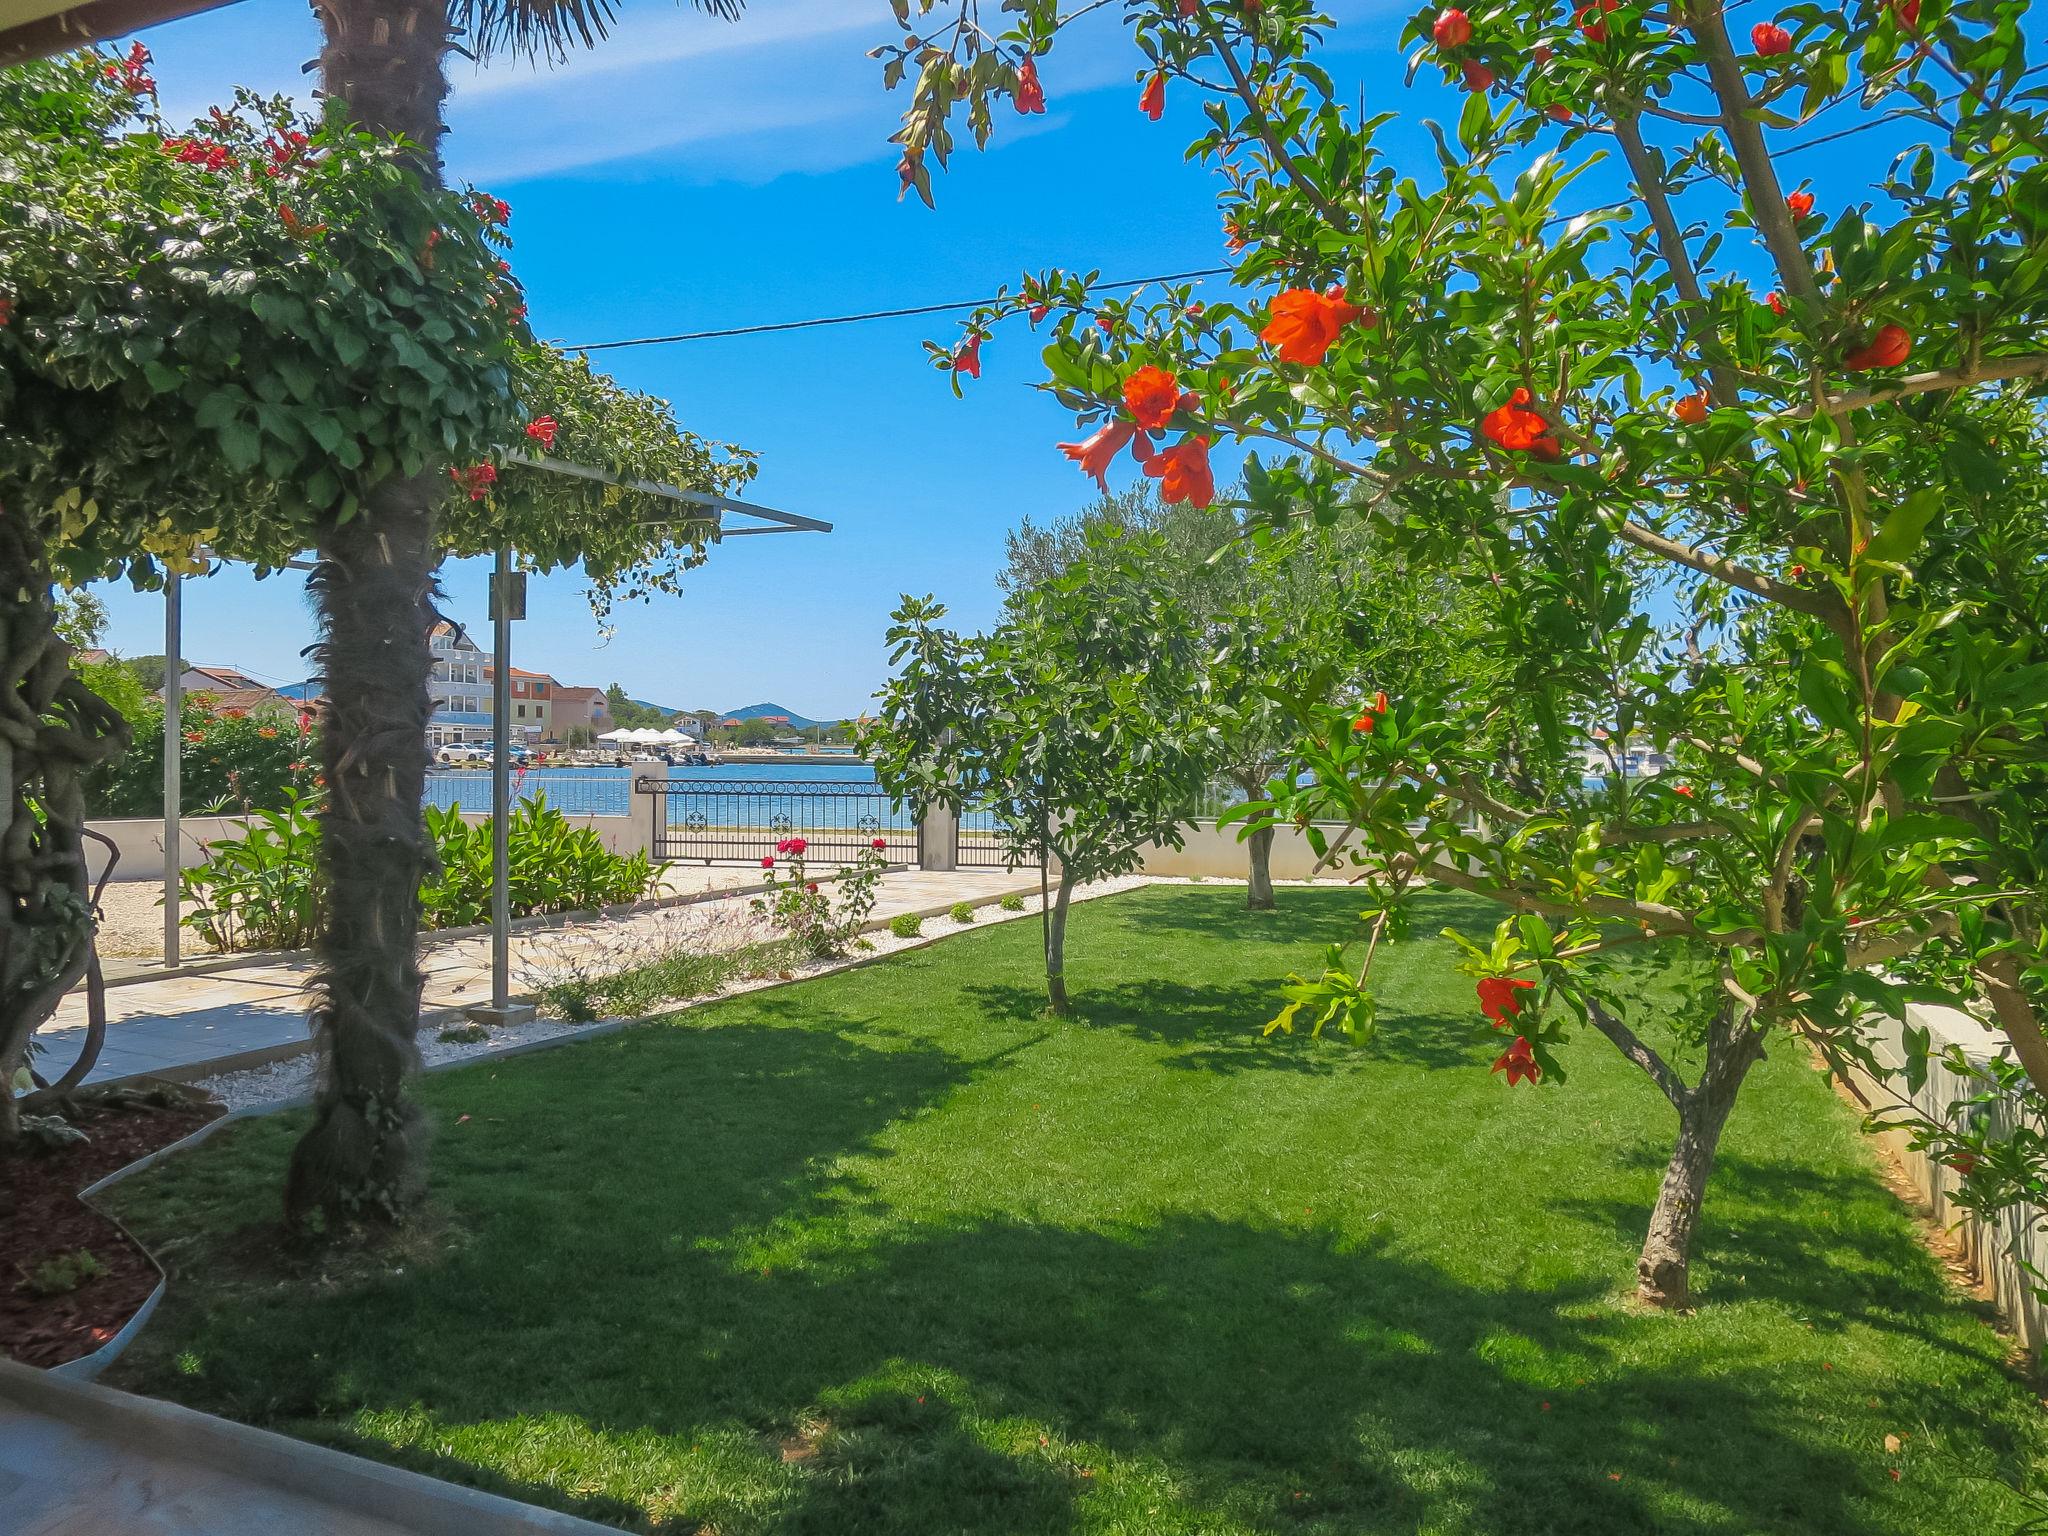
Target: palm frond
x,y
547,29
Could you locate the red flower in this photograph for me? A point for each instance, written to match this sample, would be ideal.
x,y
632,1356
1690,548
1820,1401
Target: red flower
x,y
879,844
305,721
1029,95
6,311
797,845
1559,112
1691,409
477,479
1520,430
1497,998
1150,395
1106,323
1777,303
1887,349
1477,76
968,359
1183,473
1153,102
811,886
267,732
1964,1163
1800,204
1542,53
1452,29
1379,702
1094,456
1769,39
1520,1064
1908,12
768,862
1190,7
542,430
297,227
195,736
1305,324
1592,25
1682,789
494,209
1366,723
132,73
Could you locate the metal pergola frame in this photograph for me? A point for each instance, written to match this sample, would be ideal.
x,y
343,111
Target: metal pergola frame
x,y
764,519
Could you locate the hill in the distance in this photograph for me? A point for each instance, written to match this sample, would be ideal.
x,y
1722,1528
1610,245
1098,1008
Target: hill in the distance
x,y
756,711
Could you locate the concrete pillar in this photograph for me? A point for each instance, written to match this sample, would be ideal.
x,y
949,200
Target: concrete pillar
x,y
938,840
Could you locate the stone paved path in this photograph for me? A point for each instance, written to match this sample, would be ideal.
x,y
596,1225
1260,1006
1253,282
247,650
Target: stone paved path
x,y
181,1021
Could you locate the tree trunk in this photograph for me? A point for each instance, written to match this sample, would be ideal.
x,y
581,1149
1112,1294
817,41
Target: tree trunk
x,y
375,588
1056,947
52,729
1259,894
1663,1271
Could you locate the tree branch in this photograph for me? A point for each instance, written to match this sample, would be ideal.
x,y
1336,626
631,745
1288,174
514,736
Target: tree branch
x,y
1991,370
1722,569
1630,1045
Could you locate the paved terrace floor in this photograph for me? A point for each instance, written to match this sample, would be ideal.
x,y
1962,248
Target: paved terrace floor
x,y
182,1021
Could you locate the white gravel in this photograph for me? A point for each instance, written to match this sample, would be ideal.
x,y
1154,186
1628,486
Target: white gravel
x,y
716,927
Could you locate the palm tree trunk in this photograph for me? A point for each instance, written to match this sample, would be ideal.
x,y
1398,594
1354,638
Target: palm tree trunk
x,y
375,585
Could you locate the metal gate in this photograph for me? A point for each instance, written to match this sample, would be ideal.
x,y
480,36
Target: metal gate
x,y
742,820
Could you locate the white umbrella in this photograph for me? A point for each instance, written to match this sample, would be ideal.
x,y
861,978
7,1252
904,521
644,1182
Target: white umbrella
x,y
616,736
670,737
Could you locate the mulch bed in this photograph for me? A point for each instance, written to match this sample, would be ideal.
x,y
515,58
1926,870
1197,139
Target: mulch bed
x,y
41,1217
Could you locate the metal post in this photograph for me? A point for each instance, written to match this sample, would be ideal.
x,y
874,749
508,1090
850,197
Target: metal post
x,y
501,1010
174,746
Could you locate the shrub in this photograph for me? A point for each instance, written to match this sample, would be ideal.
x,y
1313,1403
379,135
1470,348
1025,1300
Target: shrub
x,y
66,1272
963,912
1012,903
800,908
253,760
464,1034
263,890
906,925
676,975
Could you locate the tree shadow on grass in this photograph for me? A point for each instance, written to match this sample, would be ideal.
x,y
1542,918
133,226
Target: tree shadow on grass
x,y
674,1269
1011,1377
1774,1232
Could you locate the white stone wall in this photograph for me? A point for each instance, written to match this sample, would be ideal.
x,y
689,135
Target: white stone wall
x,y
1995,1251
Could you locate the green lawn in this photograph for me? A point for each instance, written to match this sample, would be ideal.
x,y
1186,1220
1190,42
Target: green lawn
x,y
889,1252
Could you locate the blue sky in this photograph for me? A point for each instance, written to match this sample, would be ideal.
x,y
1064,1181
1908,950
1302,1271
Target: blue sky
x,y
691,174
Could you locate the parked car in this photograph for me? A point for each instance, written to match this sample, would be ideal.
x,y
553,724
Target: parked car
x,y
462,754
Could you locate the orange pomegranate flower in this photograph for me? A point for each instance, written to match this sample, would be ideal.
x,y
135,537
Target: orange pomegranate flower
x,y
1151,395
1306,324
1183,473
1519,1063
1887,349
1800,204
1691,409
1519,429
542,430
1497,999
968,359
1029,95
1153,102
1095,454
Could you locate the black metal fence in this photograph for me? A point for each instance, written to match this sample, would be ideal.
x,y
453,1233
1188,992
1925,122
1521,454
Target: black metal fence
x,y
742,820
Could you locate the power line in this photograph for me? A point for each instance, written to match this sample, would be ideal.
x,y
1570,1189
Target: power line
x,y
1132,282
876,314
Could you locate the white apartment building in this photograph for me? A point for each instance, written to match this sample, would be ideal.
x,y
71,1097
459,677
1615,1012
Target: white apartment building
x,y
461,687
